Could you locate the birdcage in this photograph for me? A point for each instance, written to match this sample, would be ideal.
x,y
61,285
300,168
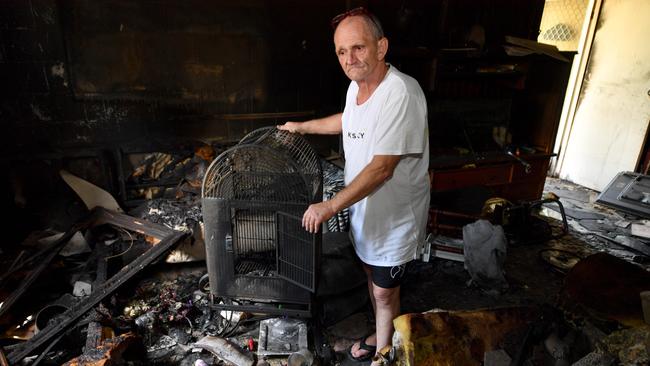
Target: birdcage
x,y
254,195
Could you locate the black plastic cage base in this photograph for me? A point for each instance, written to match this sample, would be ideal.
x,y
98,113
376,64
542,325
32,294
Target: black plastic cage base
x,y
299,310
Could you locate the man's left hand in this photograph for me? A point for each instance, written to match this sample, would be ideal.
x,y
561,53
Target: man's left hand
x,y
316,214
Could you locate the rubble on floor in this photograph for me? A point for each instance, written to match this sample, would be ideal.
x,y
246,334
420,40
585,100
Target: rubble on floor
x,y
540,274
138,309
107,279
602,228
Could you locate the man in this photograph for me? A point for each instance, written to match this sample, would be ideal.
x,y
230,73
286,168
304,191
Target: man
x,y
385,138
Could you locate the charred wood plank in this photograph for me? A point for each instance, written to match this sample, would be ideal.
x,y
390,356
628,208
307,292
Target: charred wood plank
x,y
94,336
108,352
16,261
46,350
132,223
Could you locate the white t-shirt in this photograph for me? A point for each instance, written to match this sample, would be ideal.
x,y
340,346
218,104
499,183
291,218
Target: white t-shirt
x,y
387,225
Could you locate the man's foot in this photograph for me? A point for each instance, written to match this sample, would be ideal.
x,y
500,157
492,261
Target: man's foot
x,y
364,349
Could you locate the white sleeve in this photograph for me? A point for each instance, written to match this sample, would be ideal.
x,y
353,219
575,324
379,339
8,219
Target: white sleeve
x,y
401,128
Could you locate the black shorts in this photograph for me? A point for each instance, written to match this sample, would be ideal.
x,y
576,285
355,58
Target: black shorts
x,y
388,277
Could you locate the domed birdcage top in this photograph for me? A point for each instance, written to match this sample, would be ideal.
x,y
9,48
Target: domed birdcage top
x,y
266,165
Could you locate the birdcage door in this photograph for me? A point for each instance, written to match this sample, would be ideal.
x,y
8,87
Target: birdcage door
x,y
296,252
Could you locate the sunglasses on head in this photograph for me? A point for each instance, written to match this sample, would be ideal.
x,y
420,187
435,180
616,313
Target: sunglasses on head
x,y
350,13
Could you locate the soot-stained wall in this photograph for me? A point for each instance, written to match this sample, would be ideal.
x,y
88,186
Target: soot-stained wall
x,y
88,73
82,73
82,78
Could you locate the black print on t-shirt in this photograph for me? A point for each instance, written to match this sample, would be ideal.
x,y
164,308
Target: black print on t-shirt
x,y
397,271
356,135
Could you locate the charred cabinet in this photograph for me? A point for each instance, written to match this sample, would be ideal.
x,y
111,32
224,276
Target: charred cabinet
x,y
493,123
486,98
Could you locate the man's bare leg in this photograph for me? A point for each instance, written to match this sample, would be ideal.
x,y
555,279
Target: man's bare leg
x,y
371,287
388,307
371,340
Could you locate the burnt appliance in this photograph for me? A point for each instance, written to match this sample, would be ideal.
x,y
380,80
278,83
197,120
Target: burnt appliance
x,y
258,255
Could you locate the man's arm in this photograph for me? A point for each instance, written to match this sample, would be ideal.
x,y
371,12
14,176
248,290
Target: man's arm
x,y
331,125
379,170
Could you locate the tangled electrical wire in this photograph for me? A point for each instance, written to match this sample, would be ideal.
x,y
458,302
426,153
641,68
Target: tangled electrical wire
x,y
227,322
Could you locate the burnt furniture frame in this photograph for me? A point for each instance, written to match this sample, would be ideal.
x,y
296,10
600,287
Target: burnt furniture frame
x,y
99,216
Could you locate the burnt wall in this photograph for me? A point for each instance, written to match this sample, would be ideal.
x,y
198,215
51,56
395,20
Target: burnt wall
x,y
82,73
83,79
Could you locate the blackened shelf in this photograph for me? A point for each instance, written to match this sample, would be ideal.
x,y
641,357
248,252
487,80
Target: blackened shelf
x,y
477,74
437,162
171,183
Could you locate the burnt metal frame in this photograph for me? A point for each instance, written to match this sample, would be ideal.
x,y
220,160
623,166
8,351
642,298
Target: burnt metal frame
x,y
99,216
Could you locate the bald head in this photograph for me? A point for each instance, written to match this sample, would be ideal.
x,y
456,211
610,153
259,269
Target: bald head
x,y
371,21
360,53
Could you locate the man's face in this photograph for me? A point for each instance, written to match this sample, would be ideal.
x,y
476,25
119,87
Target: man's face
x,y
358,52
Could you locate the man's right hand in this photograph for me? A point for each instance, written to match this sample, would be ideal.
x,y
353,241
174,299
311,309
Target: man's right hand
x,y
293,127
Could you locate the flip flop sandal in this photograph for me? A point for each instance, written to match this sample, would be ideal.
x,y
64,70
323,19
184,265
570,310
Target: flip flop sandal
x,y
366,347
